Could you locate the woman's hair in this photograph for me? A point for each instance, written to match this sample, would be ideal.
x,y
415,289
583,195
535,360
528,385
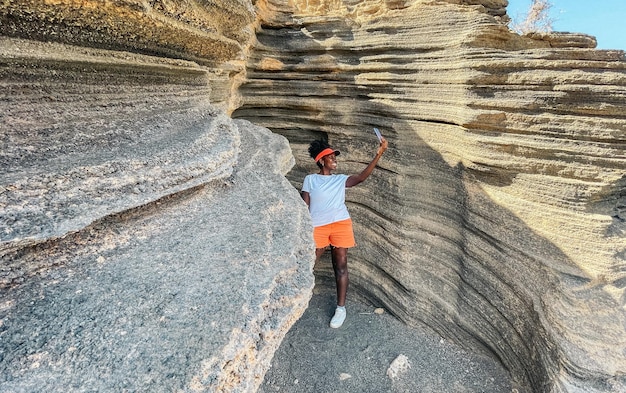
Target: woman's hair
x,y
316,147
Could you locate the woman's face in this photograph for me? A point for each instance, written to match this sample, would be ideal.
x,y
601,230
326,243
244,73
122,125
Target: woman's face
x,y
330,161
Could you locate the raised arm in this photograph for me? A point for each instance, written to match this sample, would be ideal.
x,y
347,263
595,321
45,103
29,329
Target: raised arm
x,y
357,179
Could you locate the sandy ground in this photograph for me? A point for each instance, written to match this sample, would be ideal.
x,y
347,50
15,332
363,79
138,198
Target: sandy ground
x,y
356,357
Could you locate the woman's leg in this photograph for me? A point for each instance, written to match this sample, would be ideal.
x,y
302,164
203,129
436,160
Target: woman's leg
x,y
340,266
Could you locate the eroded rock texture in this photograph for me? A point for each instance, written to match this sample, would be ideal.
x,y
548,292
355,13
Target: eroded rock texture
x,y
137,217
497,216
148,242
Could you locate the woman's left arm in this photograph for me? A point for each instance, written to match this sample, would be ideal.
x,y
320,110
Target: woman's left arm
x,y
357,179
306,197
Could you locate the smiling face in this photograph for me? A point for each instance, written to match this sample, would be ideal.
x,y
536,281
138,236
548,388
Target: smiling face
x,y
329,161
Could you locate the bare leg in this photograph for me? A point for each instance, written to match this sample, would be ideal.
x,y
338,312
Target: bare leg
x,y
340,265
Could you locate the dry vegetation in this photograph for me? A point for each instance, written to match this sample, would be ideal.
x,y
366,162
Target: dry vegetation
x,y
536,19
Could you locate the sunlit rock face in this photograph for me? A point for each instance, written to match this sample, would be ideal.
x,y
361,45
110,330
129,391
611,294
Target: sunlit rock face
x,y
497,217
135,211
209,32
148,241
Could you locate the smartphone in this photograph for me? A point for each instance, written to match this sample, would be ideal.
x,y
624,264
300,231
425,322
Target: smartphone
x,y
380,137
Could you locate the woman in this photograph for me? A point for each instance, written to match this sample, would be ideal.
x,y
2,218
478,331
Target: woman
x,y
324,194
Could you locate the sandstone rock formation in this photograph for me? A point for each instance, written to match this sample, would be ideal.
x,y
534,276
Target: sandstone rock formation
x,y
496,217
148,241
186,293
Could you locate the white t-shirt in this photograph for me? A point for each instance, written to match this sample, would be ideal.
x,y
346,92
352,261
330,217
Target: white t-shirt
x,y
327,198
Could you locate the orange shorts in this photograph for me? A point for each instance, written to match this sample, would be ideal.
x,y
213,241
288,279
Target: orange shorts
x,y
337,234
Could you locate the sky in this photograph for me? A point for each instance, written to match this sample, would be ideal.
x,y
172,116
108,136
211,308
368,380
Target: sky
x,y
603,19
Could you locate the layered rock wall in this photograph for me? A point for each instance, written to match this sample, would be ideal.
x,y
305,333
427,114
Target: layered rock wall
x,y
497,215
137,217
142,246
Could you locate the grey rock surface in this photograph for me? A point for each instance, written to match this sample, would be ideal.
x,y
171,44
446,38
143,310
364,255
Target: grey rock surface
x,y
190,292
91,133
358,357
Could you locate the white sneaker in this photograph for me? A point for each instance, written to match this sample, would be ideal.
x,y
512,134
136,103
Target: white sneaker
x,y
338,318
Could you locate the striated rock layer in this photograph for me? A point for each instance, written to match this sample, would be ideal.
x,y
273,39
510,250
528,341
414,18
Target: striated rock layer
x,y
497,215
148,241
145,233
193,292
